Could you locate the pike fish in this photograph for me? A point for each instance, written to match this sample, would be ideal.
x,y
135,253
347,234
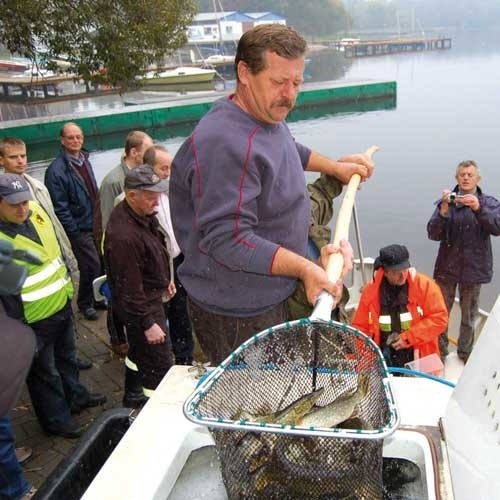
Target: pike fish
x,y
338,410
289,415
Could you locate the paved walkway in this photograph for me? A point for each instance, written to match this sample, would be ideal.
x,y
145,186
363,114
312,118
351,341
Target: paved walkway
x,y
105,376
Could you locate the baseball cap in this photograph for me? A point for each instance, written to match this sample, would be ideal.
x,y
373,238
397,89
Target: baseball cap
x,y
14,189
143,177
394,258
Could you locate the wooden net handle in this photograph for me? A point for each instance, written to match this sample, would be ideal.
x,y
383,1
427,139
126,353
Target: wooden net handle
x,y
336,260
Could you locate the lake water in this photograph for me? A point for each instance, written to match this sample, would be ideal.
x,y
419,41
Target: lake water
x,y
446,112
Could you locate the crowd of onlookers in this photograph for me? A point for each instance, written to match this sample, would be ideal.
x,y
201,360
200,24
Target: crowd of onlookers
x,y
72,229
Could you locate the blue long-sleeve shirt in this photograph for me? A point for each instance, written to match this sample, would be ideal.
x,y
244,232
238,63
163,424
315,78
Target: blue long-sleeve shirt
x,y
238,193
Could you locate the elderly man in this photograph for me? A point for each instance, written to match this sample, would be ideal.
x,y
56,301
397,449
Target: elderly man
x,y
46,299
179,325
73,189
401,310
463,222
136,144
238,198
138,273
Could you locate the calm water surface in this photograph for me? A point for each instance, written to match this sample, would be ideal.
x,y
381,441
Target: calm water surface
x,y
446,112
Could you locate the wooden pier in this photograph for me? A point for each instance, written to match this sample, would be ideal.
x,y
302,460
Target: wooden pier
x,y
368,48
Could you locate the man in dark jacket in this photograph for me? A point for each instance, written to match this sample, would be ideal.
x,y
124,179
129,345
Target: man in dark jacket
x,y
73,189
138,273
463,221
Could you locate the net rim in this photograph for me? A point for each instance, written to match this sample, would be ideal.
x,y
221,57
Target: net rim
x,y
191,404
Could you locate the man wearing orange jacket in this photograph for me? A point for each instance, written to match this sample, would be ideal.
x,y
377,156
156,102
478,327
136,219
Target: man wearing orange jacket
x,y
401,310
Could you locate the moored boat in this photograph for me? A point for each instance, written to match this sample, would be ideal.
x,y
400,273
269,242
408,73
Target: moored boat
x,y
180,75
12,65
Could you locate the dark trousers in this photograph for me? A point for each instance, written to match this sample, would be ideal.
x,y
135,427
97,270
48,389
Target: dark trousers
x,y
116,328
468,294
152,360
220,335
13,484
89,264
179,324
53,378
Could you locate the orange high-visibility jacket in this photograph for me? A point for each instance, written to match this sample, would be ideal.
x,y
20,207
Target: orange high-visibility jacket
x,y
425,303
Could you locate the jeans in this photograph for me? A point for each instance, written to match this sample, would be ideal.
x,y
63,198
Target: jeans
x,y
89,264
179,325
468,294
53,378
13,484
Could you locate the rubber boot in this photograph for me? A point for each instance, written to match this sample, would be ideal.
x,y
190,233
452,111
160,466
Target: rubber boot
x,y
133,397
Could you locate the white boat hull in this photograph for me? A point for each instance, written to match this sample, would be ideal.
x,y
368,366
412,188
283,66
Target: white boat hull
x,y
179,76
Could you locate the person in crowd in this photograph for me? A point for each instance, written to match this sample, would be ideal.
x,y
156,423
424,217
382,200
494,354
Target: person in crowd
x,y
463,222
179,325
238,198
16,355
136,143
111,186
401,310
14,160
73,190
137,266
13,483
46,307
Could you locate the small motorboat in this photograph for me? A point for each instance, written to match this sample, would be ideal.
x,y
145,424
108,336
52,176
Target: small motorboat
x,y
181,75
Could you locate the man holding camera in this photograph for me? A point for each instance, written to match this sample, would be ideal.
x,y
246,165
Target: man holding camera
x,y
463,221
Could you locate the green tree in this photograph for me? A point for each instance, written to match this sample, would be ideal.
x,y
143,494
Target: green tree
x,y
104,41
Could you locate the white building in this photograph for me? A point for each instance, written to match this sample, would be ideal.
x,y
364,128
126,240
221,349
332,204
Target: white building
x,y
210,27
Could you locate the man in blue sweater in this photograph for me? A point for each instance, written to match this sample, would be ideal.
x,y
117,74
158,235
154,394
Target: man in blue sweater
x,y
239,203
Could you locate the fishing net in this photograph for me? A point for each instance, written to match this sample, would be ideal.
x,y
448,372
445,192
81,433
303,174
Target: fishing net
x,y
271,404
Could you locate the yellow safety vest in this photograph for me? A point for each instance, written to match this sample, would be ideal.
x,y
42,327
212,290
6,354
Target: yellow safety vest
x,y
48,287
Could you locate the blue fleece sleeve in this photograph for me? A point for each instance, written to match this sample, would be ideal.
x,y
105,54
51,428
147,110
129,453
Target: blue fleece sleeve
x,y
304,154
225,193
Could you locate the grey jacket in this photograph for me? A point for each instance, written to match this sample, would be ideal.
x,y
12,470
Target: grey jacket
x,y
111,187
